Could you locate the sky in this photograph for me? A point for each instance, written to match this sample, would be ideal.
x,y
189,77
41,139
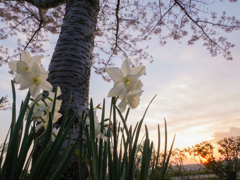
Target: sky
x,y
197,94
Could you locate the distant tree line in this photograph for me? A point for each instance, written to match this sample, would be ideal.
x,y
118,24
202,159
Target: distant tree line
x,y
226,167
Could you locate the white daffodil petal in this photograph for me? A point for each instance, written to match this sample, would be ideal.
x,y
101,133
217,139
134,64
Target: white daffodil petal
x,y
45,85
25,85
52,94
125,68
123,93
117,89
138,71
13,65
38,98
131,82
122,105
57,115
19,79
36,59
39,126
22,67
36,69
55,133
35,90
134,101
43,71
103,137
59,92
25,56
139,85
115,74
37,114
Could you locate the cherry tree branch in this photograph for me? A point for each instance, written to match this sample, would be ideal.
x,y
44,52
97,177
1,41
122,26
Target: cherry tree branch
x,y
45,4
195,22
37,30
159,21
116,35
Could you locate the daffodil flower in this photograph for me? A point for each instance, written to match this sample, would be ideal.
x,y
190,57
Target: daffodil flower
x,y
131,98
26,62
125,79
45,107
25,65
43,121
35,80
97,127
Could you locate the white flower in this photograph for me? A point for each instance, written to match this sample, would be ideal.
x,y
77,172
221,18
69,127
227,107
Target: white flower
x,y
44,120
46,109
40,107
97,127
51,94
41,110
125,79
54,133
131,98
36,112
25,65
35,80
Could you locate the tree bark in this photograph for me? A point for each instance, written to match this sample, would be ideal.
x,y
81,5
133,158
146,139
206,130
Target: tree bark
x,y
70,66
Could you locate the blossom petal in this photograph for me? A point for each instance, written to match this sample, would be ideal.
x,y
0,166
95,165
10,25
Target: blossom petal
x,y
138,71
115,74
117,89
125,68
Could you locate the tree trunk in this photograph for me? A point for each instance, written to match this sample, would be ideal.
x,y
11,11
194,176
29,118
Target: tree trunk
x,y
70,66
71,62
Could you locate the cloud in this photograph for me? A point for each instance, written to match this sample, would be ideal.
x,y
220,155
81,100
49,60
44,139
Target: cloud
x,y
233,131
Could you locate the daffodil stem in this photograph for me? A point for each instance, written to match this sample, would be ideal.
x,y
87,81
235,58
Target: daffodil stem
x,y
45,102
54,135
47,97
42,120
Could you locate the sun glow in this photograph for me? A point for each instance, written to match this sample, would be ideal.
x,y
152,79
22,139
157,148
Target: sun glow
x,y
203,160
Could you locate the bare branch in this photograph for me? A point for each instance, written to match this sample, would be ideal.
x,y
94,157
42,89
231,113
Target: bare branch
x,y
37,30
200,27
159,21
116,35
45,4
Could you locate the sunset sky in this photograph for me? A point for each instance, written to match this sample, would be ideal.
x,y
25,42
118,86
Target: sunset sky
x,y
199,95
